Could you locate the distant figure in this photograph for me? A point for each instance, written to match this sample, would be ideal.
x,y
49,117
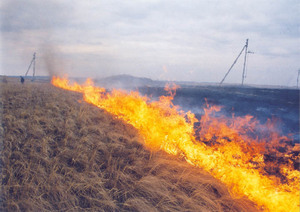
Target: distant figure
x,y
4,79
22,80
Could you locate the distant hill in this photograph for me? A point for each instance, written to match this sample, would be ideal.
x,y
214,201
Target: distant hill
x,y
127,82
131,82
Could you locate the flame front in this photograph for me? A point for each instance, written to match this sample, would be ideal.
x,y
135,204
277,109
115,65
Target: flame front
x,y
233,157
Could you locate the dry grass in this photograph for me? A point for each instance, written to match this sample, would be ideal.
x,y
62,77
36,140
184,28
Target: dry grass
x,y
61,154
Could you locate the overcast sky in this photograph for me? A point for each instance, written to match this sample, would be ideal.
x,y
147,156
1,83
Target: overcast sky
x,y
192,40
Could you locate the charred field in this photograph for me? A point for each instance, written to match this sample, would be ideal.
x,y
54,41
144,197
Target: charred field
x,y
59,153
281,105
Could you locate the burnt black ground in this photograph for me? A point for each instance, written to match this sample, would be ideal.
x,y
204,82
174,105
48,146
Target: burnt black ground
x,y
280,105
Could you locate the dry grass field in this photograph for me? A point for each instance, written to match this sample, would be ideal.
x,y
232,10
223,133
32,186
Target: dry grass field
x,y
59,153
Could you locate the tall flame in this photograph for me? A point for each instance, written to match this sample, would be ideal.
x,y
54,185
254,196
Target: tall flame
x,y
226,150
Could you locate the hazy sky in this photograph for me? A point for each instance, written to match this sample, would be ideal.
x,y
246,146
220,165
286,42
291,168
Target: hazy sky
x,y
193,40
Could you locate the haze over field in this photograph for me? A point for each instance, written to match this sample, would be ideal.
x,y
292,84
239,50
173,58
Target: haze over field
x,y
166,40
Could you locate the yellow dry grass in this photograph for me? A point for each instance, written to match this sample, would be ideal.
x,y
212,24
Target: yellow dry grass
x,y
59,153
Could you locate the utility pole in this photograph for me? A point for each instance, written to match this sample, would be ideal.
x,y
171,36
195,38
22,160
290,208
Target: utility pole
x,y
298,78
245,58
32,63
245,48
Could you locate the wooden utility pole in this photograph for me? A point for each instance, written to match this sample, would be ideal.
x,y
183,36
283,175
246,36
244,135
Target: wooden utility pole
x,y
245,48
245,58
298,78
32,63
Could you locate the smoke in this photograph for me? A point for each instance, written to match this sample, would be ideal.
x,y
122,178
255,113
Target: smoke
x,y
35,26
54,65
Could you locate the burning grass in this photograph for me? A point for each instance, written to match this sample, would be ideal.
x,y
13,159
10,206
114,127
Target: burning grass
x,y
60,153
233,156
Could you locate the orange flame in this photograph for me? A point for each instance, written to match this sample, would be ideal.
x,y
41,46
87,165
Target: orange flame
x,y
223,149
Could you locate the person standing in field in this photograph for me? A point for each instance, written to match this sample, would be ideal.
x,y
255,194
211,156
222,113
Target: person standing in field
x,y
22,80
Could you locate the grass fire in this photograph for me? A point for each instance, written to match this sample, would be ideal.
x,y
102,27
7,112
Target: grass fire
x,y
236,160
97,150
